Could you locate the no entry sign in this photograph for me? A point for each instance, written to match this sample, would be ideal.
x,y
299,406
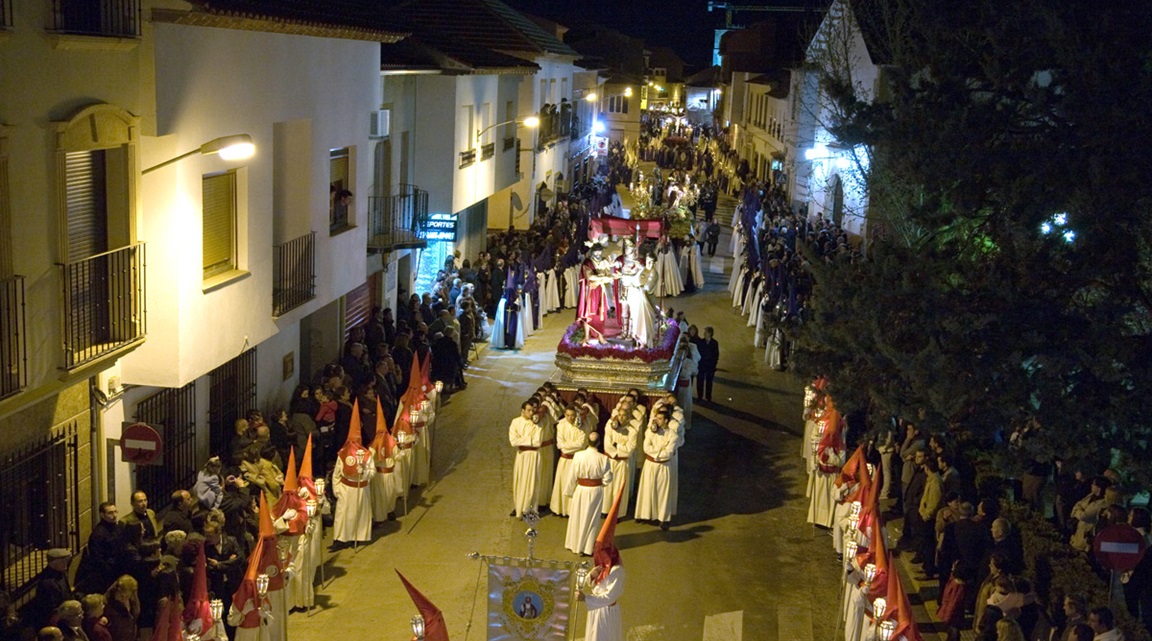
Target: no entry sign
x,y
141,444
1119,547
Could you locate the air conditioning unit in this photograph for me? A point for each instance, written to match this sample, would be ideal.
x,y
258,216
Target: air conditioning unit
x,y
381,123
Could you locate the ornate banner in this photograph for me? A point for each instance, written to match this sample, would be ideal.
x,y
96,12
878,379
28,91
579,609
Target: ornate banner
x,y
528,603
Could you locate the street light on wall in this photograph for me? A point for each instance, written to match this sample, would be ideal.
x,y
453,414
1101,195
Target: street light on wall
x,y
530,122
234,147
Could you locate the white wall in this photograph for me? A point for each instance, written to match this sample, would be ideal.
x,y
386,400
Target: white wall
x,y
334,85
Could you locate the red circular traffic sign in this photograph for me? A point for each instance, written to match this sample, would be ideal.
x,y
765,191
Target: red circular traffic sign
x,y
141,444
1119,547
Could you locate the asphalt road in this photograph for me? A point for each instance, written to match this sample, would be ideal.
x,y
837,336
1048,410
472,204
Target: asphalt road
x,y
738,563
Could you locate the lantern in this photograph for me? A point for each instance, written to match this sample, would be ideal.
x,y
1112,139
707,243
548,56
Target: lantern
x,y
418,627
321,485
216,608
262,585
310,508
879,606
439,386
850,548
856,508
886,630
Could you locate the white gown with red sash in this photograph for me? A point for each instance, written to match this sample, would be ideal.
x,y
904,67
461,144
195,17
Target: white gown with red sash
x,y
354,471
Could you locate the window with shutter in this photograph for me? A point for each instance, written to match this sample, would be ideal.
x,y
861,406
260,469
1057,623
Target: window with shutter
x,y
338,178
219,223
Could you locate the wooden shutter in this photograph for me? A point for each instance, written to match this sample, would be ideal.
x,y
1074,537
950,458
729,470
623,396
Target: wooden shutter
x,y
87,203
219,223
358,303
339,169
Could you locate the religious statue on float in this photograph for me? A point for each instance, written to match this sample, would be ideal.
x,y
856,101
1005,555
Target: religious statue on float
x,y
638,316
599,297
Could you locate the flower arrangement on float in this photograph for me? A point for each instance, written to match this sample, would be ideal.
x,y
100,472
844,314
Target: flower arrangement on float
x,y
573,345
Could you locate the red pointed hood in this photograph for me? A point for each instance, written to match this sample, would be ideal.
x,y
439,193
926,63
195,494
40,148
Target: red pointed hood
x,y
899,609
604,552
833,429
850,472
384,443
290,499
355,438
415,381
197,613
434,626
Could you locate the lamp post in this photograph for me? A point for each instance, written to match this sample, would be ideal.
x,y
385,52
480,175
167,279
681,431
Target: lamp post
x,y
530,122
234,147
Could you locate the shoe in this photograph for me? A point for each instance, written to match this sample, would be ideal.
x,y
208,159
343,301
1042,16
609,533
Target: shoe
x,y
512,513
664,525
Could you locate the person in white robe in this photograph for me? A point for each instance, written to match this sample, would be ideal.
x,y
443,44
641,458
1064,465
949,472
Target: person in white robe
x,y
301,582
544,417
525,434
384,483
291,526
570,439
621,435
604,585
552,289
591,471
828,458
641,314
653,494
571,284
350,478
667,272
527,317
690,263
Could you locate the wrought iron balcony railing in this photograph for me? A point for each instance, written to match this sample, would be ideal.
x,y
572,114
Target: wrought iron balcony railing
x,y
103,304
467,158
112,18
294,274
13,342
487,151
397,221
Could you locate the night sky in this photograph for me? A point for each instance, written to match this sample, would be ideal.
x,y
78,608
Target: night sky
x,y
685,25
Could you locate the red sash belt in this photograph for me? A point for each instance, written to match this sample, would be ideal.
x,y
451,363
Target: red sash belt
x,y
384,470
563,455
550,441
589,482
527,448
407,446
620,458
654,460
350,483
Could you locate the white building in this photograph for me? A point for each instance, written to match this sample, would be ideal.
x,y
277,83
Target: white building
x,y
831,178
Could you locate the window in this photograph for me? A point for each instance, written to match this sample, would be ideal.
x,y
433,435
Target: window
x,y
39,489
618,104
219,223
468,116
231,393
563,88
340,205
173,411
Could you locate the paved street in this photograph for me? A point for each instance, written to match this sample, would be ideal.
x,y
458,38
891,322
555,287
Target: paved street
x,y
739,545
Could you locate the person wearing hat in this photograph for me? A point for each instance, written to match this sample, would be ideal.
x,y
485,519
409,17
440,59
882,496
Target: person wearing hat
x,y
384,483
250,613
350,483
52,588
290,516
434,627
301,590
604,585
590,472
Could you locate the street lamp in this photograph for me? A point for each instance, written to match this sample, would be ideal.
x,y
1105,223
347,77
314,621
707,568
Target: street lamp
x,y
234,147
592,97
530,122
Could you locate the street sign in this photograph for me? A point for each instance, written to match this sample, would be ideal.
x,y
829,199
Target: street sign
x,y
440,227
140,443
1119,547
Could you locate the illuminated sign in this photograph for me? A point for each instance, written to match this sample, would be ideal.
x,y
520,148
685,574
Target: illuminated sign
x,y
439,227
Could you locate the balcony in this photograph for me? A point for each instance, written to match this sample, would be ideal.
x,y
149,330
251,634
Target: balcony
x,y
487,151
104,307
396,222
509,143
13,342
294,274
107,18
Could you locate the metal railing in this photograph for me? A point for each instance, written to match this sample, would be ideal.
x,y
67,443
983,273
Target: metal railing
x,y
396,221
174,412
509,143
13,341
115,18
467,158
232,392
103,304
41,499
294,274
487,151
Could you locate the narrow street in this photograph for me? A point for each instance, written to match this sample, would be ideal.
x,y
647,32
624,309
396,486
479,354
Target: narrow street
x,y
738,563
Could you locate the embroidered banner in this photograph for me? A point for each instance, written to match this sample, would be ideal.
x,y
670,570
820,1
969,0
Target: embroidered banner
x,y
528,603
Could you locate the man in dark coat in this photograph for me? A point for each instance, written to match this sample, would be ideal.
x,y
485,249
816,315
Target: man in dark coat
x,y
52,588
103,559
709,350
